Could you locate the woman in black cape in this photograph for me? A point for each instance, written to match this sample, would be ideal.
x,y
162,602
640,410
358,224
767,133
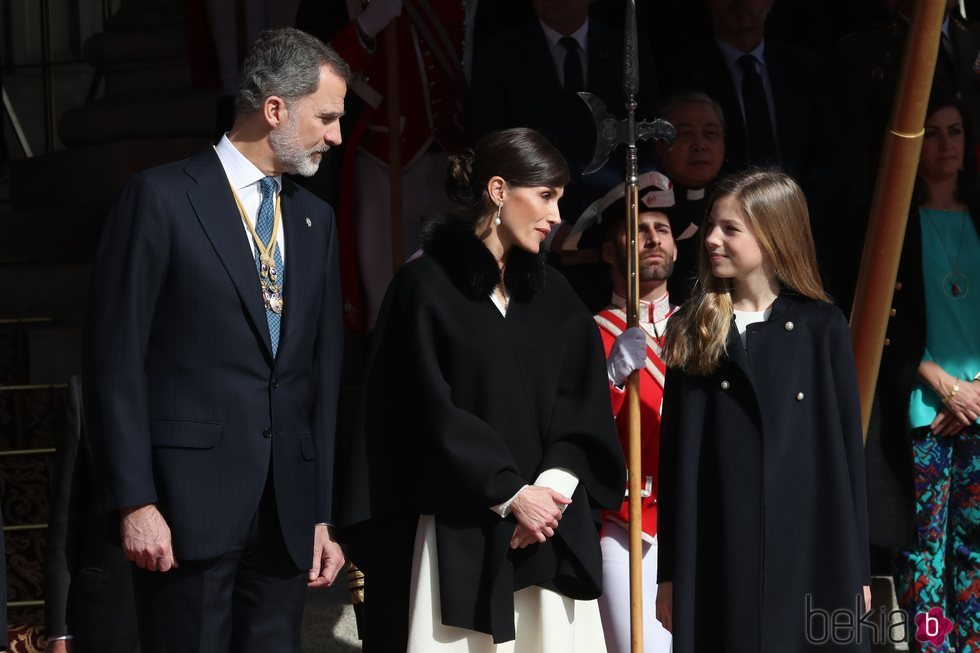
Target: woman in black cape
x,y
487,445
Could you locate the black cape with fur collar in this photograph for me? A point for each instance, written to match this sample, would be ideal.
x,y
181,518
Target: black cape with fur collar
x,y
454,244
463,407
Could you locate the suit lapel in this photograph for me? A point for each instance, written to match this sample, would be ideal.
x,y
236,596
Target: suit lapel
x,y
214,205
719,84
298,257
539,55
780,81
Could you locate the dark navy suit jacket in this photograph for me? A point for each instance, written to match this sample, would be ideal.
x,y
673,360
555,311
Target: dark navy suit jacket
x,y
515,84
810,146
187,407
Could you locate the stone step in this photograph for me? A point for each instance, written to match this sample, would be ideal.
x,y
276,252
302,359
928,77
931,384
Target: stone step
x,y
39,350
58,290
148,79
158,120
161,38
50,235
91,176
31,419
55,353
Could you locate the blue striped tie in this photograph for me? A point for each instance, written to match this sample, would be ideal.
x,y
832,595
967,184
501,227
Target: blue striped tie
x,y
263,227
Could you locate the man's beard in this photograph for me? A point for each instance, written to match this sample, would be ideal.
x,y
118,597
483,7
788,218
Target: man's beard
x,y
291,153
647,271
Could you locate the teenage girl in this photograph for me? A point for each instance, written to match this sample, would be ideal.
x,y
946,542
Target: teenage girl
x,y
762,509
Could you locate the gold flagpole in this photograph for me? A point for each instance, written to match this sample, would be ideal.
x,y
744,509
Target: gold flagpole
x,y
893,195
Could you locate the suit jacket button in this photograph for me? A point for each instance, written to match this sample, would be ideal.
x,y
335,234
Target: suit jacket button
x,y
799,396
275,383
898,285
892,313
725,385
789,326
266,433
888,341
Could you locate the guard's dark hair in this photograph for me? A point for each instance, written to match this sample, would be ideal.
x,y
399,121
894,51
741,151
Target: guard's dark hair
x,y
521,156
286,63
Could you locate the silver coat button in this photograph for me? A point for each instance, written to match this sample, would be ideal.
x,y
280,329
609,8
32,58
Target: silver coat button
x,y
789,326
725,385
799,396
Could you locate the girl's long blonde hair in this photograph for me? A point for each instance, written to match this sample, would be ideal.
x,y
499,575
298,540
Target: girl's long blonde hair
x,y
775,211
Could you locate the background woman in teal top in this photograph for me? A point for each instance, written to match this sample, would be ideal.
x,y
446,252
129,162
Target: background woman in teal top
x,y
929,394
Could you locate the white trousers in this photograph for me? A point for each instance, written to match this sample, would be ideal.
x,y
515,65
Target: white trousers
x,y
614,604
544,621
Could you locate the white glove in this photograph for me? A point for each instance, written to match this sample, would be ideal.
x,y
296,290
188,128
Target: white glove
x,y
377,14
628,354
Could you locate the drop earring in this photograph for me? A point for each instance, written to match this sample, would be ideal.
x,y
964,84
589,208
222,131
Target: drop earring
x,y
500,207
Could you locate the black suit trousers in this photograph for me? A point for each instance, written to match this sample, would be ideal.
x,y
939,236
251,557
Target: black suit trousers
x,y
249,600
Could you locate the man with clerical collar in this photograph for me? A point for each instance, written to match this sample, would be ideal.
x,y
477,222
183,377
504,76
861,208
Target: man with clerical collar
x,y
212,366
692,164
629,350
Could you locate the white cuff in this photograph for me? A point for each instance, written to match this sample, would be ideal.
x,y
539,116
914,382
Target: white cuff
x,y
503,509
559,479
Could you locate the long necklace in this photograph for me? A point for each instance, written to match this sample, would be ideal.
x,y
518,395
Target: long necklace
x,y
268,273
955,284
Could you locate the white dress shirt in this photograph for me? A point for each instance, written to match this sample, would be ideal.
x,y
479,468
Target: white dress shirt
x,y
558,51
244,178
732,55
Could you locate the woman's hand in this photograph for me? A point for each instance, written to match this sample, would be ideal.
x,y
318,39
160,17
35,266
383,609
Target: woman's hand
x,y
961,409
665,606
538,510
867,599
965,404
522,538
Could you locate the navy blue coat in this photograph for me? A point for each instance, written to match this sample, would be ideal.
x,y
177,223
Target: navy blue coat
x,y
762,494
186,405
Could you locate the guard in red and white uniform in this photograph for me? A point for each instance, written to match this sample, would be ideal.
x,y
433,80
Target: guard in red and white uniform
x,y
431,90
627,350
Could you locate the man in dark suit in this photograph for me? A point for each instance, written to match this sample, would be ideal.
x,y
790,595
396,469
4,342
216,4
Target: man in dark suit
x,y
88,588
530,76
775,97
212,366
3,590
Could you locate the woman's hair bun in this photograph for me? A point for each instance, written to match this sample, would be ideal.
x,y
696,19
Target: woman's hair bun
x,y
459,177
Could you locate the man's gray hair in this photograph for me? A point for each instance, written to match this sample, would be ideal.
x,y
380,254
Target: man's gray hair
x,y
690,95
286,63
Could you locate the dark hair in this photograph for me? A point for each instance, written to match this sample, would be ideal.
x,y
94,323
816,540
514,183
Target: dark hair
x,y
686,96
613,218
285,62
521,156
966,180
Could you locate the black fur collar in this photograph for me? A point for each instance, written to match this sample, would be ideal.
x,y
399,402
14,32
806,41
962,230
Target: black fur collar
x,y
452,242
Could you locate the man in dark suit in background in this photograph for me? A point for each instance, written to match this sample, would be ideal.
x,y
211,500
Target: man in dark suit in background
x,y
212,360
3,590
775,97
88,588
530,76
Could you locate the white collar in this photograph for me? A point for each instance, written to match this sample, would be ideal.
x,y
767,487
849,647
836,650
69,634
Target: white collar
x,y
580,35
241,172
653,312
733,54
